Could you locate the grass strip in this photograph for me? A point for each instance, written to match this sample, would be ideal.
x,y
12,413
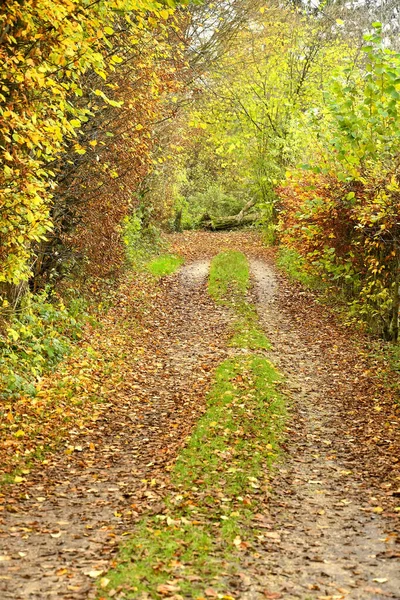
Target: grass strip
x,y
193,547
229,284
229,277
165,264
195,544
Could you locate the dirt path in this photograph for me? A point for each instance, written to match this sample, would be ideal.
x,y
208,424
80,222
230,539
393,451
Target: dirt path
x,y
324,536
329,542
66,521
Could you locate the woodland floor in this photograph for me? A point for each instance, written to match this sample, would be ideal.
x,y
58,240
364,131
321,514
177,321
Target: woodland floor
x,y
331,529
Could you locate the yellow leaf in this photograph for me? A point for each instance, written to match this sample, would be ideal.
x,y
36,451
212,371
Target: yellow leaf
x,y
104,582
13,334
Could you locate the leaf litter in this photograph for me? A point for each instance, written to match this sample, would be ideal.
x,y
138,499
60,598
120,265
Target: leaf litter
x,y
320,533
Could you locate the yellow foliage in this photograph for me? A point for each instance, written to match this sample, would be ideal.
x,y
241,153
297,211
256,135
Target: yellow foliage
x,y
47,47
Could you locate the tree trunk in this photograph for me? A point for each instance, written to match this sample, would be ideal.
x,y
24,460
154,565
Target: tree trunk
x,y
239,220
220,223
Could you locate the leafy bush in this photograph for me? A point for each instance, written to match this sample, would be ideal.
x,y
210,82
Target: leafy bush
x,y
341,215
213,201
38,336
142,239
295,266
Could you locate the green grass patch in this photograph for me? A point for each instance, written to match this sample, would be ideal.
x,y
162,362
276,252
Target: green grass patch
x,y
229,283
165,264
293,264
242,421
248,336
217,482
229,277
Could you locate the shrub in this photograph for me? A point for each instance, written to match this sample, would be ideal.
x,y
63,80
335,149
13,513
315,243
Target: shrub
x,y
36,339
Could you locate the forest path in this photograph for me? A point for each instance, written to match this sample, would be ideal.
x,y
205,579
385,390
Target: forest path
x,y
329,542
340,475
60,528
327,538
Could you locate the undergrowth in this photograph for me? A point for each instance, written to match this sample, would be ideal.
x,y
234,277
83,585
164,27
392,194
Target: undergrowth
x,y
142,241
38,336
49,368
292,263
71,397
193,546
165,264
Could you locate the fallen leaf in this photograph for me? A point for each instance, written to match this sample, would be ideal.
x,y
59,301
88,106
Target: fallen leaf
x,y
104,582
93,574
166,588
378,510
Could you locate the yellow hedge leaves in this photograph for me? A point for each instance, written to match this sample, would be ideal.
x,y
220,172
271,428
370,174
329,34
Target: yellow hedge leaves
x,y
47,46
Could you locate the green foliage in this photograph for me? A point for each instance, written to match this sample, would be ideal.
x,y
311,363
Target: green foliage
x,y
213,201
143,244
363,117
166,264
246,121
268,231
142,239
294,265
48,48
37,338
341,214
